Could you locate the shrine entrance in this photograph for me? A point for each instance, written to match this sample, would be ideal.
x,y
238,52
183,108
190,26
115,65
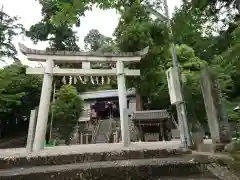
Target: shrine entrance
x,y
106,109
52,58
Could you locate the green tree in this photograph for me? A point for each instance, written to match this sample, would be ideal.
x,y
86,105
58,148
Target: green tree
x,y
19,94
60,37
66,108
191,66
202,27
9,28
95,41
218,48
137,30
228,67
189,25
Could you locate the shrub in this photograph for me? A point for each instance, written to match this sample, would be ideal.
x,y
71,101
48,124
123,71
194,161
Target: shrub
x,y
66,108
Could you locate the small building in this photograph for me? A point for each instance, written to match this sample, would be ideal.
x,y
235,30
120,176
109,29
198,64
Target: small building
x,y
153,125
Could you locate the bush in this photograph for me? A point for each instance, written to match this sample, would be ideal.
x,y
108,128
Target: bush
x,y
66,108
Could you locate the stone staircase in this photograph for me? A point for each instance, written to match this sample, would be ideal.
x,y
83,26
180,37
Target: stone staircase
x,y
148,164
104,131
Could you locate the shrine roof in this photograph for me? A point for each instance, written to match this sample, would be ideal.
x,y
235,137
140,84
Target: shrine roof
x,y
150,115
25,50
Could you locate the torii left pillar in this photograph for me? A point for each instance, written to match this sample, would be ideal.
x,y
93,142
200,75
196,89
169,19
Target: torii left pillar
x,y
43,111
123,103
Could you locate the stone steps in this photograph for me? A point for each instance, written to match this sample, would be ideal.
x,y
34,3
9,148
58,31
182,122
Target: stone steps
x,y
104,131
140,161
140,169
60,158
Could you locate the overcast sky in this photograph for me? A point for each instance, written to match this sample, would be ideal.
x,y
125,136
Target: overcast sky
x,y
29,12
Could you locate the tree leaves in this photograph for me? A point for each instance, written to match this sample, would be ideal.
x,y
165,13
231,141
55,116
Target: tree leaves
x,y
95,41
66,108
19,93
9,28
60,37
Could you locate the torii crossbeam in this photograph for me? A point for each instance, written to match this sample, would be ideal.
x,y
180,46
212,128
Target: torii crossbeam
x,y
52,57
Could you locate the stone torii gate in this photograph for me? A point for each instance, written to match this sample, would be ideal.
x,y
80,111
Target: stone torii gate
x,y
53,57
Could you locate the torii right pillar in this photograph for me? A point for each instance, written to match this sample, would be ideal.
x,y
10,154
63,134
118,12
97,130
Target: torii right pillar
x,y
216,112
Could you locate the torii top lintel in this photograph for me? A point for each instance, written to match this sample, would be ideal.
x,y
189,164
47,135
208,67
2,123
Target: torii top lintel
x,y
76,56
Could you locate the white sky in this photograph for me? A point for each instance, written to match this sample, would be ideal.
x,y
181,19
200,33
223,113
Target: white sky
x,y
29,12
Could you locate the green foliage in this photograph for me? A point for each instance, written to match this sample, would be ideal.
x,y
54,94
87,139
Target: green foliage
x,y
9,28
190,67
193,25
200,25
66,108
95,41
69,11
228,68
137,30
19,93
60,37
212,4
